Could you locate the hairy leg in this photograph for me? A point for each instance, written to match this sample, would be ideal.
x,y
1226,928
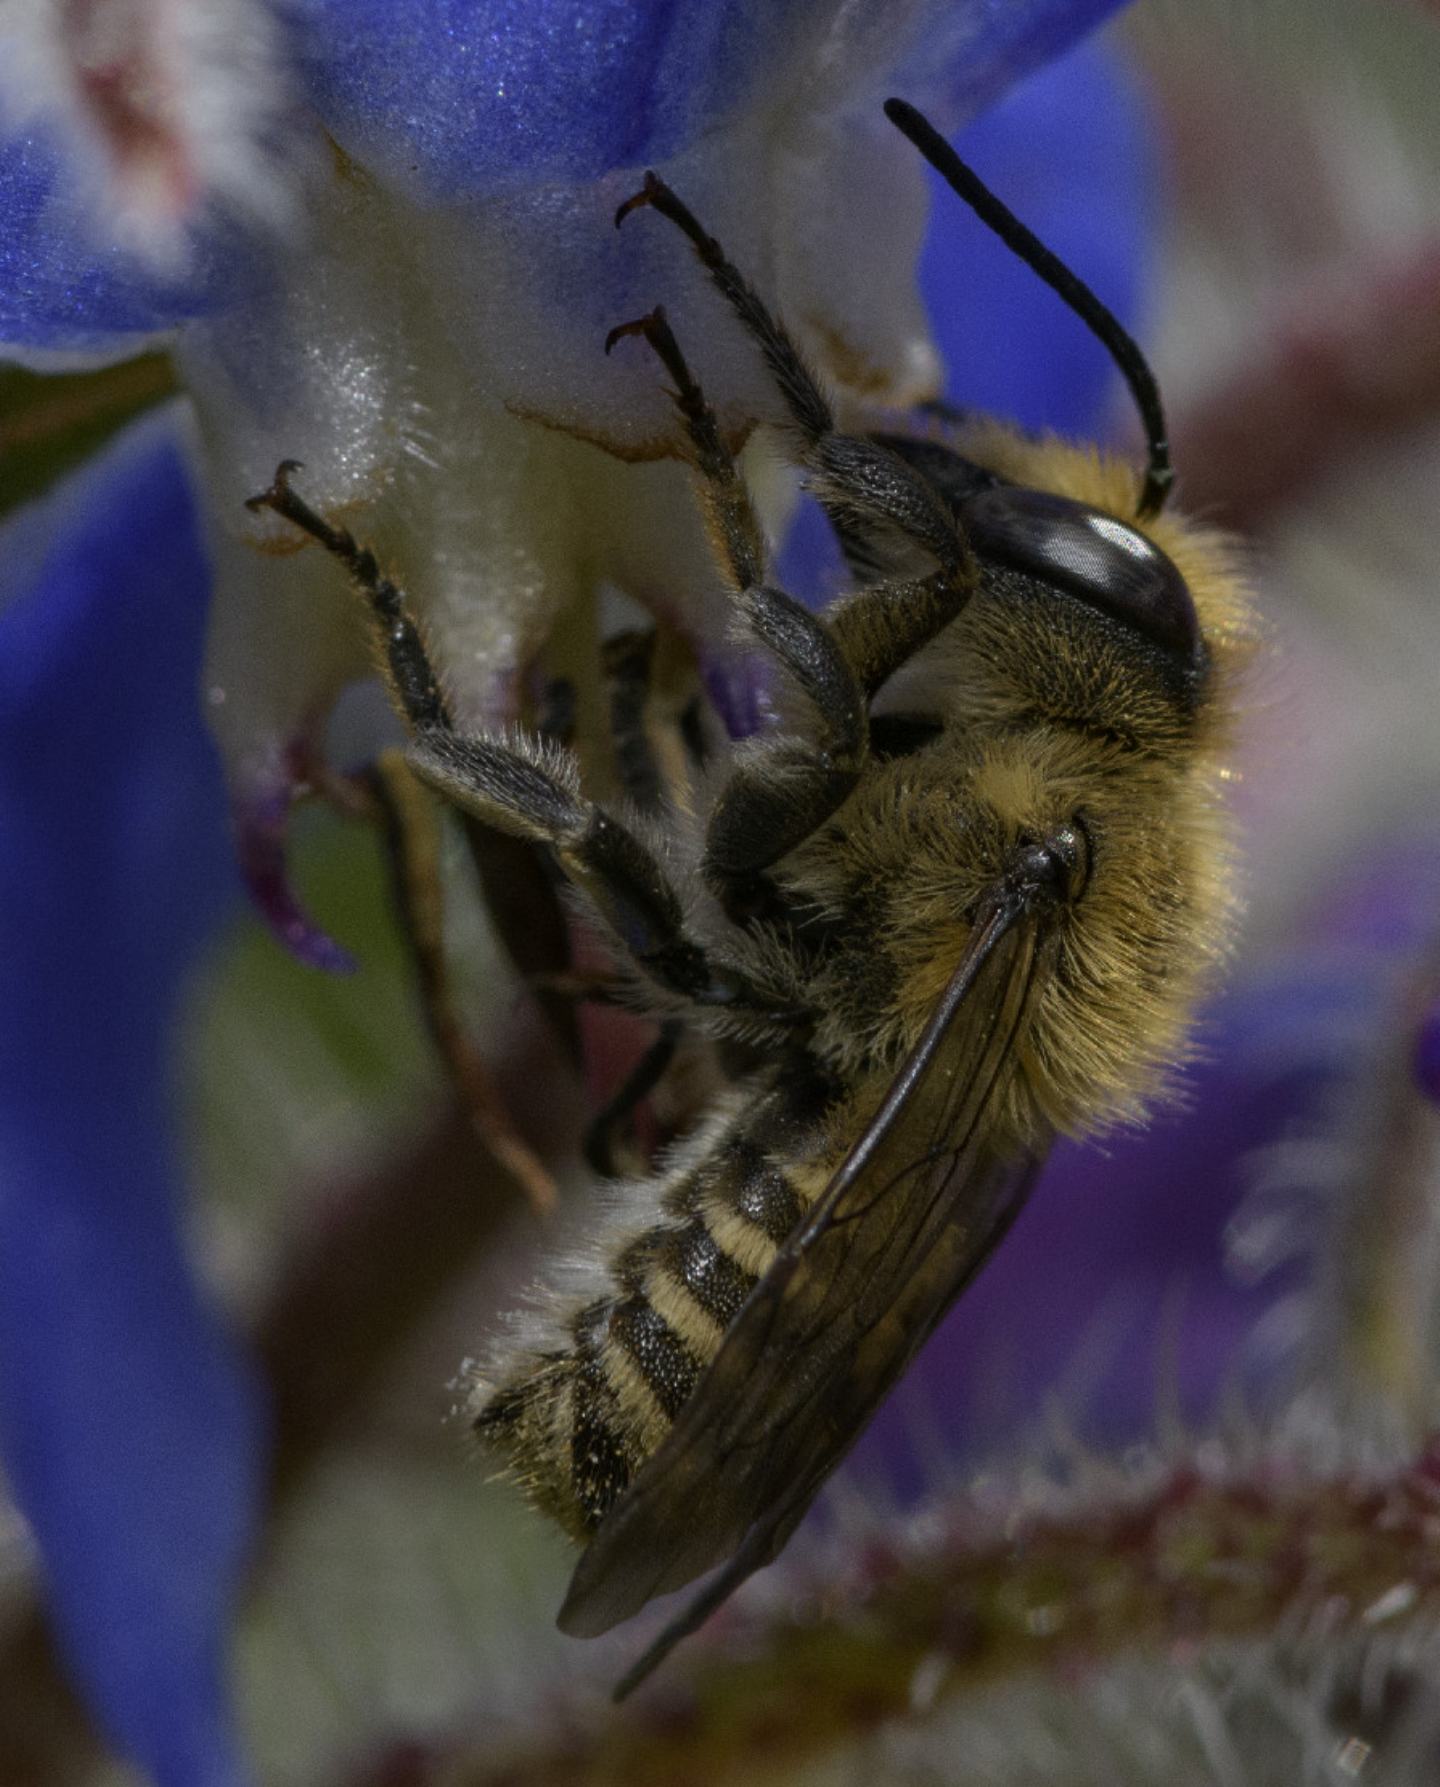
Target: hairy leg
x,y
786,791
410,822
858,480
529,790
782,793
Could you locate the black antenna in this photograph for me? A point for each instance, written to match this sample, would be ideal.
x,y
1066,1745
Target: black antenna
x,y
1159,474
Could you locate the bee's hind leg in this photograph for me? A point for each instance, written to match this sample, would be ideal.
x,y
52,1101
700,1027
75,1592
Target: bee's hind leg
x,y
611,1123
410,819
648,775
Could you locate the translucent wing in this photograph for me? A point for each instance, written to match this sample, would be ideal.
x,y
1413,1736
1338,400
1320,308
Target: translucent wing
x,y
907,1219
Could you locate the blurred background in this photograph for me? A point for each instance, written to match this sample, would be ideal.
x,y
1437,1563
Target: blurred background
x,y
1270,1243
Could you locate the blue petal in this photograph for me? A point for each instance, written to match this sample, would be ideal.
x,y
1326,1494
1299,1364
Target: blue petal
x,y
59,291
450,97
129,1423
1015,40
1068,153
468,96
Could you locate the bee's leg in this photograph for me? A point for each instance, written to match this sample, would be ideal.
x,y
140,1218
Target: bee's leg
x,y
509,879
657,728
414,687
555,711
629,660
521,890
410,818
606,1127
613,1118
880,628
531,790
857,480
784,792
779,796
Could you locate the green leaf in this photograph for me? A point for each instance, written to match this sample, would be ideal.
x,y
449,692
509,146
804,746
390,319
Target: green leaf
x,y
50,422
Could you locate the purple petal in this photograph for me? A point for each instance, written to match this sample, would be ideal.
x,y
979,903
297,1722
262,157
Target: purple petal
x,y
130,1424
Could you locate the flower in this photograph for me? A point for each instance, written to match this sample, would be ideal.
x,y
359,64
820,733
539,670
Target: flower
x,y
376,238
132,1429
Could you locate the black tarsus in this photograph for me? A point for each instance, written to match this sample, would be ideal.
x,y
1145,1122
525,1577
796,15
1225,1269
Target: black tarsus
x,y
806,401
416,686
1072,290
850,472
614,1115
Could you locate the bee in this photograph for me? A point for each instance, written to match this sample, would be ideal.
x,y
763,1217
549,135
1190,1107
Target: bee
x,y
963,902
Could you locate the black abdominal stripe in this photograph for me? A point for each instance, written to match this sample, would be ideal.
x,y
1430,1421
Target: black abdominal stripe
x,y
575,1424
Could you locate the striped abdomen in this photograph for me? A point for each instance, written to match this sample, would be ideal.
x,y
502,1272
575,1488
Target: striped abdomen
x,y
574,1424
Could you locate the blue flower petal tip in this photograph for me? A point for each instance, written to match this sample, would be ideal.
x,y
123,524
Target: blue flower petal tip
x,y
735,693
1426,1058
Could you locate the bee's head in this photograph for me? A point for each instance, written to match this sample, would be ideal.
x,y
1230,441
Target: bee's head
x,y
1069,546
1083,615
1070,577
1082,621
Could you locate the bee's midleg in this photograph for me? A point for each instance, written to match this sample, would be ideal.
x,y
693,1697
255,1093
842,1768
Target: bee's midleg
x,y
629,664
414,687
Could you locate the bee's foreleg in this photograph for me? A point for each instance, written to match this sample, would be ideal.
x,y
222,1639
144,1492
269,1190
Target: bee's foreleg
x,y
858,481
781,793
880,628
779,797
842,661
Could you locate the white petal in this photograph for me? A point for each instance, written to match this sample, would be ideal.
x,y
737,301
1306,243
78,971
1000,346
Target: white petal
x,y
441,374
170,111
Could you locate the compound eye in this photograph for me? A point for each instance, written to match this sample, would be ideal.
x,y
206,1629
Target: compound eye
x,y
1090,554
